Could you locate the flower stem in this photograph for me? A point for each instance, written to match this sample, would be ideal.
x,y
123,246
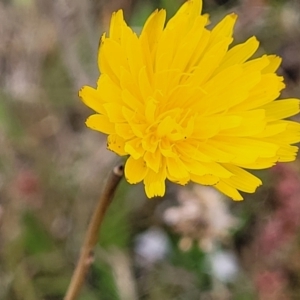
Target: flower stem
x,y
86,255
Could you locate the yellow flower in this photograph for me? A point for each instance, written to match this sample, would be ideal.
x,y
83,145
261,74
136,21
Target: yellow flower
x,y
185,106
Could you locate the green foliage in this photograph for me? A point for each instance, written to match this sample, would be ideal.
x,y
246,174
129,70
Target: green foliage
x,y
57,83
102,280
36,239
193,260
8,118
141,12
115,229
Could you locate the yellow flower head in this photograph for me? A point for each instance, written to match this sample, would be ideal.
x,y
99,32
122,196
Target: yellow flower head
x,y
185,106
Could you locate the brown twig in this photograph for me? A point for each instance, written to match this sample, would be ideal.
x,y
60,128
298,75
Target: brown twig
x,y
86,255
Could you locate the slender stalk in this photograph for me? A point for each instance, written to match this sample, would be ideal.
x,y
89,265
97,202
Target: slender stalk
x,y
86,255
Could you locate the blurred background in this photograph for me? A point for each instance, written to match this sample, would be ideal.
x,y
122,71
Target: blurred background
x,y
193,244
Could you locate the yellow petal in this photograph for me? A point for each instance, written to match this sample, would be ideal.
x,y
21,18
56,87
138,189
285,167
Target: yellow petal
x,y
261,163
195,167
103,62
282,109
92,99
257,64
287,153
114,112
274,63
116,24
135,170
207,179
209,62
241,179
245,145
190,9
228,190
153,160
100,123
144,84
128,82
124,130
155,183
116,144
216,169
215,151
109,91
153,29
186,50
252,123
224,97
240,53
134,148
264,92
115,56
191,150
185,106
223,29
131,101
289,135
272,129
134,55
176,169
166,126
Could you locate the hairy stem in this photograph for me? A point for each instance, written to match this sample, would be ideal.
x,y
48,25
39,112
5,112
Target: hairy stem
x,y
86,255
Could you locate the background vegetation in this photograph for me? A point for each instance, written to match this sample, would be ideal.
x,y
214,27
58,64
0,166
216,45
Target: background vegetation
x,y
193,243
